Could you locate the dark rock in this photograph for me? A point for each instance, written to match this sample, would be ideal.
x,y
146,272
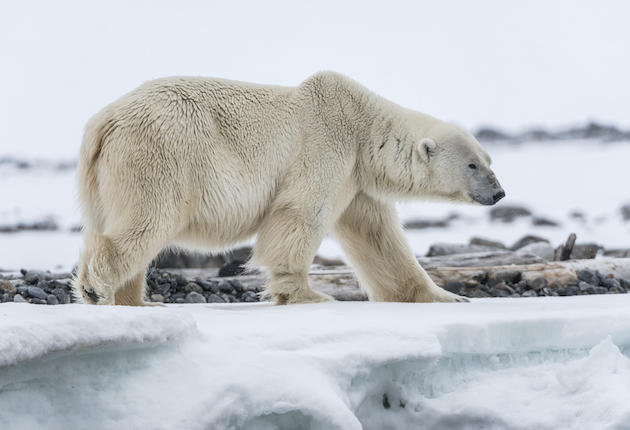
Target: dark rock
x,y
508,277
249,296
526,240
624,284
19,299
44,285
233,268
480,241
455,287
588,276
419,224
237,285
225,287
211,286
529,293
191,286
586,288
34,276
541,221
496,292
176,296
456,248
508,213
585,251
215,298
578,215
487,134
569,290
618,253
181,259
537,284
610,283
37,292
62,295
52,299
179,300
323,261
195,297
600,290
625,212
38,301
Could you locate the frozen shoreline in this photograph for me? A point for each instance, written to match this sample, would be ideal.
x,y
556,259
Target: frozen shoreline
x,y
517,363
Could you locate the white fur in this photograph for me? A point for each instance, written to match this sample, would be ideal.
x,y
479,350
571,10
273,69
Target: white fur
x,y
206,163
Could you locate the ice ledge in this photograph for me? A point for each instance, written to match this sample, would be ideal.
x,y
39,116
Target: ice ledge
x,y
28,332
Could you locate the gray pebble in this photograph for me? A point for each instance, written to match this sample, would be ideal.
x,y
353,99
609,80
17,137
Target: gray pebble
x,y
52,299
37,292
157,298
529,293
61,294
588,276
215,298
208,285
586,288
453,287
19,299
225,287
37,301
250,296
191,286
195,297
610,283
537,284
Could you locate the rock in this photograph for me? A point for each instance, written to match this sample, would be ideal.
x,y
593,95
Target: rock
x,y
537,284
454,287
588,276
249,296
617,253
610,283
420,224
225,287
491,135
237,285
508,277
233,268
625,284
539,249
215,298
578,215
19,299
157,298
37,292
586,288
625,212
37,301
569,290
52,299
601,290
456,248
585,251
195,297
62,295
208,285
174,258
34,276
529,293
526,240
191,286
323,261
496,292
480,241
541,221
507,213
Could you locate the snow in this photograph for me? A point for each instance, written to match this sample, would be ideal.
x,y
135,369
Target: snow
x,y
494,363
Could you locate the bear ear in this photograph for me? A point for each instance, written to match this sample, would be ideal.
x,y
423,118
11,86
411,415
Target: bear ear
x,y
426,149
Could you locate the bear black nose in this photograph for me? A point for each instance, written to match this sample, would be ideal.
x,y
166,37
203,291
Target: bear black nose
x,y
498,196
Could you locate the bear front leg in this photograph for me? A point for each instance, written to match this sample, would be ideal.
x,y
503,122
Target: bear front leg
x,y
373,240
286,245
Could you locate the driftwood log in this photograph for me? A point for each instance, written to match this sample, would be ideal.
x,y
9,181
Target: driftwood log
x,y
339,281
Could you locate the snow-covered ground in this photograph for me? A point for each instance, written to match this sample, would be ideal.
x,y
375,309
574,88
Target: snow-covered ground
x,y
550,178
546,363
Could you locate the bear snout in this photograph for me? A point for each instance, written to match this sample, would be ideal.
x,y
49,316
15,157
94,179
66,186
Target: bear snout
x,y
498,196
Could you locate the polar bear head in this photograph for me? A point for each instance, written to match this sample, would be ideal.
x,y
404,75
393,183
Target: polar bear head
x,y
422,157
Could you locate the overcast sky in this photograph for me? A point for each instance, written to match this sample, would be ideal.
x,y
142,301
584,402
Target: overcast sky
x,y
510,64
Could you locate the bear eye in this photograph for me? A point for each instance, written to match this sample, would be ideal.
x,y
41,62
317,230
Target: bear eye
x,y
472,166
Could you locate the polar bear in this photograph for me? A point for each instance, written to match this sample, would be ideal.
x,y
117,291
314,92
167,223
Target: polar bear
x,y
206,163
